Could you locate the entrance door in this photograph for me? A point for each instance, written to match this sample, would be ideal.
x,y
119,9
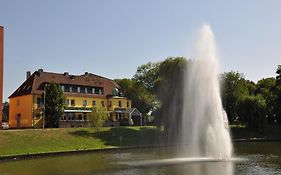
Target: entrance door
x,y
18,120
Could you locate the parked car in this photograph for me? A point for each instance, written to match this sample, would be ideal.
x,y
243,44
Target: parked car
x,y
5,125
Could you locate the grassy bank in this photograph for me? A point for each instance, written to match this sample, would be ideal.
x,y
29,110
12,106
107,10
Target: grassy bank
x,y
13,142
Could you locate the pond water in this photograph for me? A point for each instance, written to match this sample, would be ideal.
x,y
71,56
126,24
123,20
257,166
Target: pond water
x,y
255,158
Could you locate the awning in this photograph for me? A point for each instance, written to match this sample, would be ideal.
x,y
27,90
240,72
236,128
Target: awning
x,y
76,110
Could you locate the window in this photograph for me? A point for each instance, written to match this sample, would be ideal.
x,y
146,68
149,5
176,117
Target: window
x,y
128,104
120,104
66,88
82,89
93,103
67,102
85,117
72,102
84,103
89,90
74,89
102,103
80,117
110,104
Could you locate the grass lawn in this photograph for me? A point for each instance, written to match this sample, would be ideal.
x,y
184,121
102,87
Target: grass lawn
x,y
24,141
13,142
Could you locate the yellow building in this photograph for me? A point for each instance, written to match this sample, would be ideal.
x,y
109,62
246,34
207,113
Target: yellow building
x,y
82,92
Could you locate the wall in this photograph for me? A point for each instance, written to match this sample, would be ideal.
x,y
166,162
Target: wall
x,y
1,69
79,101
20,105
115,103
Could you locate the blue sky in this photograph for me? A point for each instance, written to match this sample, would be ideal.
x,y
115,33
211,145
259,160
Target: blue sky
x,y
112,38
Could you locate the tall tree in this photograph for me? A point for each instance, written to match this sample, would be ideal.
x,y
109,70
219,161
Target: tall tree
x,y
54,104
170,94
234,89
266,87
143,100
147,75
252,111
278,72
277,102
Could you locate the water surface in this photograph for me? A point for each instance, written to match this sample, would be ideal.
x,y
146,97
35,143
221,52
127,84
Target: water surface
x,y
262,158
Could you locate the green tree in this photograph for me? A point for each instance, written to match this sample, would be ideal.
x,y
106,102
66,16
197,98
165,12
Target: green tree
x,y
143,100
54,104
170,95
98,117
125,85
266,87
277,101
278,72
234,89
252,110
147,75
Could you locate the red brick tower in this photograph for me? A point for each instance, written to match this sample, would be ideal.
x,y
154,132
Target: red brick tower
x,y
1,69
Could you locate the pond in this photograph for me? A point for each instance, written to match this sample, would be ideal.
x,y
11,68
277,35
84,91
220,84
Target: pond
x,y
256,158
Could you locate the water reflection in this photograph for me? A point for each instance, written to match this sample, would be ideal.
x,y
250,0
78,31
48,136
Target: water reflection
x,y
259,162
199,166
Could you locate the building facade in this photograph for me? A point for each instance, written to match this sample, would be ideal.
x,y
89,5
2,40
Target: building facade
x,y
1,69
82,92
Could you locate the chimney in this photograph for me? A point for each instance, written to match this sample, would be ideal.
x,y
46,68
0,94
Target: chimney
x,y
28,74
66,73
86,73
40,70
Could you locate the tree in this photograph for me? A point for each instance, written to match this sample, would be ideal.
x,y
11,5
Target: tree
x,y
266,87
143,100
54,104
170,95
234,89
147,75
124,85
278,72
98,117
277,101
252,110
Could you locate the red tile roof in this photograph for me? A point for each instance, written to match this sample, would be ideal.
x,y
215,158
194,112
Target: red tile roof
x,y
33,85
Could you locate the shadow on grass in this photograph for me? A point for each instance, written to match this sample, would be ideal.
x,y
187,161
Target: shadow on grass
x,y
124,136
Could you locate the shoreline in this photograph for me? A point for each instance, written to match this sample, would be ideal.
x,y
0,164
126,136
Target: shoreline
x,y
7,158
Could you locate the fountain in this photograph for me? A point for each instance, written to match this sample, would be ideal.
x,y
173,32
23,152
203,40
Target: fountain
x,y
203,134
205,131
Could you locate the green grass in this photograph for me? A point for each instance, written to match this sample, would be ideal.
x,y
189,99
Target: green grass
x,y
13,142
24,141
